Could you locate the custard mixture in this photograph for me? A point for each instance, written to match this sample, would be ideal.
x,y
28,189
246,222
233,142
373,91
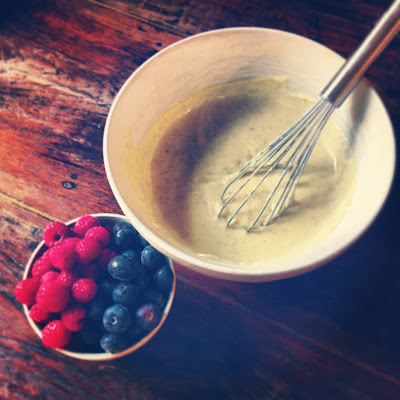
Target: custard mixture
x,y
195,147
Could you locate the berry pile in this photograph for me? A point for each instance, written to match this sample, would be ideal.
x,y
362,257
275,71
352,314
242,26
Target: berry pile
x,y
96,288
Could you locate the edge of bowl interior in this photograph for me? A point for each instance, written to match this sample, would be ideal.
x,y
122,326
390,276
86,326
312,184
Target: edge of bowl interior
x,y
99,356
214,268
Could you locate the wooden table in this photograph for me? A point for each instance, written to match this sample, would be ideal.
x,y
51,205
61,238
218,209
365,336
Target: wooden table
x,y
330,334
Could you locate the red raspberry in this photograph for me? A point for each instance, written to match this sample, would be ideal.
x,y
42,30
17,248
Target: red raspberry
x,y
87,250
55,335
42,265
105,257
38,313
25,291
55,233
99,234
49,276
71,243
68,278
84,224
73,317
84,290
64,256
53,296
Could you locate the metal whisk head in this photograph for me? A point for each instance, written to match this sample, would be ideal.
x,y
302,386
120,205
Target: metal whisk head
x,y
291,150
290,153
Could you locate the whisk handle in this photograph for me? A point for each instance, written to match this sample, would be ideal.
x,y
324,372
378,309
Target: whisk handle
x,y
348,76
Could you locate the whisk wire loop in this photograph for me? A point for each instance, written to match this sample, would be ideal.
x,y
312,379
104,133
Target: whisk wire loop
x,y
288,191
265,155
329,111
308,129
289,138
316,122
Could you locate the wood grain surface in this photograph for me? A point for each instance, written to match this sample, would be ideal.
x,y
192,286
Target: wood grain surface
x,y
330,334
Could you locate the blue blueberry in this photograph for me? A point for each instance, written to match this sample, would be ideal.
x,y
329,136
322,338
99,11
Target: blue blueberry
x,y
113,343
133,253
126,239
122,225
95,309
123,268
163,278
126,294
155,297
151,257
135,333
148,316
143,241
143,278
106,287
116,318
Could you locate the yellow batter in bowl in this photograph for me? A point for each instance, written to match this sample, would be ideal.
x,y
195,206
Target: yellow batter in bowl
x,y
194,146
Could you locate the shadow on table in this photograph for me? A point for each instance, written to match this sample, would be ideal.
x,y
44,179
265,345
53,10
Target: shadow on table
x,y
325,335
11,10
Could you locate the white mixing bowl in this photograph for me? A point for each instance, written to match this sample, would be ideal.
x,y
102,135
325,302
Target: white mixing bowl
x,y
225,55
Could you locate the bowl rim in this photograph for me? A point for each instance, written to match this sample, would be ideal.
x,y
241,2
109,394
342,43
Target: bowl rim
x,y
219,269
97,356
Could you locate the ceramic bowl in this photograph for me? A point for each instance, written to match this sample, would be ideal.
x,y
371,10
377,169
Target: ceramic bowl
x,y
105,219
221,56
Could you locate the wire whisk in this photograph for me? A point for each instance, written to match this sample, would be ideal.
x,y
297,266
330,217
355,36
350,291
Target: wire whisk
x,y
291,151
